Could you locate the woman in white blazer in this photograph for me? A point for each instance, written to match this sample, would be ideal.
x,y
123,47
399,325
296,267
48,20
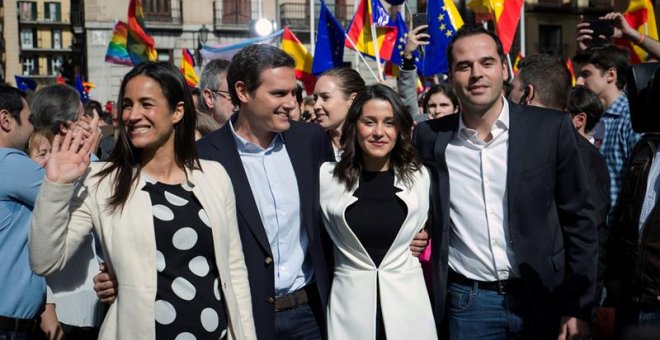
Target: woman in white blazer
x,y
165,220
373,203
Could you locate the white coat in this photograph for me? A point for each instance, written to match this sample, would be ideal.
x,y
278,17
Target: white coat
x,y
65,214
404,300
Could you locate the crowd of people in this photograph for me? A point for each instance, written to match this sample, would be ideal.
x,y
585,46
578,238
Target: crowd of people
x,y
245,210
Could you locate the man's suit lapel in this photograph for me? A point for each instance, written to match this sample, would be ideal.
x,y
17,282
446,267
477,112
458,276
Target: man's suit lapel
x,y
246,207
442,140
518,131
296,148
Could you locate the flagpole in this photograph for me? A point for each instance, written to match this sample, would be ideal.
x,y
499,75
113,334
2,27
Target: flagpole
x,y
374,38
508,59
360,55
311,26
356,3
522,29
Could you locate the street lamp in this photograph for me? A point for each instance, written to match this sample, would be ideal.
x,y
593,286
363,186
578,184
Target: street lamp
x,y
202,38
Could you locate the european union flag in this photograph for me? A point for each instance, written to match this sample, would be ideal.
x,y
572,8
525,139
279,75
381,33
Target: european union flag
x,y
24,83
401,39
441,31
330,37
379,15
84,96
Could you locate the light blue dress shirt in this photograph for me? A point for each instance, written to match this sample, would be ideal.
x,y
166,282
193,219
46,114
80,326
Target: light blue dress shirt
x,y
22,293
275,190
652,188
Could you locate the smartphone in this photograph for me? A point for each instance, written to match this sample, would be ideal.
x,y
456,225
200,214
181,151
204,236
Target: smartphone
x,y
601,27
419,19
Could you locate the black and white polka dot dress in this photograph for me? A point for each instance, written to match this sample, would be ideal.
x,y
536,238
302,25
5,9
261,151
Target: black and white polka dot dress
x,y
189,302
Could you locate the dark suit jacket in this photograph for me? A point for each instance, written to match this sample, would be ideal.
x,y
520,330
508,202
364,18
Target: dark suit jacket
x,y
307,146
599,178
551,218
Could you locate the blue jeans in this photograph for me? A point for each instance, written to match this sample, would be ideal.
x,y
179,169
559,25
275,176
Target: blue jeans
x,y
473,313
649,317
297,323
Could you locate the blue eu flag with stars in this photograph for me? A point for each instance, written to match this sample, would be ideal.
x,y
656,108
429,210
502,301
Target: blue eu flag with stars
x,y
441,30
329,50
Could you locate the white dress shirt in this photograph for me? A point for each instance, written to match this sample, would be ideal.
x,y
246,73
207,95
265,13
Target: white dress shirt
x,y
275,189
478,247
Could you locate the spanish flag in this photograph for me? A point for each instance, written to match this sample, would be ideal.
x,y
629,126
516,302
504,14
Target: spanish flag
x,y
505,14
360,33
640,16
304,60
140,45
188,68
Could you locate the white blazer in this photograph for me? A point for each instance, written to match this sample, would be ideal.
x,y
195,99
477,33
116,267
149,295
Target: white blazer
x,y
404,299
65,214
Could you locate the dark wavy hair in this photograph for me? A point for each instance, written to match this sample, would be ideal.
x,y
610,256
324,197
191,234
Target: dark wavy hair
x,y
125,158
403,158
445,89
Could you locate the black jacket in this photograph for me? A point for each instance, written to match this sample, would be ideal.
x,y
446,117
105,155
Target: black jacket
x,y
633,275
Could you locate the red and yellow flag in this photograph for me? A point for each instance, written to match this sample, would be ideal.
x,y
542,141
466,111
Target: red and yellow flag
x,y
360,33
304,60
140,45
504,13
188,68
516,62
569,66
640,16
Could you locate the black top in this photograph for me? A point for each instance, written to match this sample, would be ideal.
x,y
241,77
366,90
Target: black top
x,y
188,297
378,214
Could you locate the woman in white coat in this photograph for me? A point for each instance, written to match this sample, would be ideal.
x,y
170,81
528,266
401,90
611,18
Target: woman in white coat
x,y
373,202
166,220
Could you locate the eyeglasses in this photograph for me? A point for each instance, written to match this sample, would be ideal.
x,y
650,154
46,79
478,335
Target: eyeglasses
x,y
223,94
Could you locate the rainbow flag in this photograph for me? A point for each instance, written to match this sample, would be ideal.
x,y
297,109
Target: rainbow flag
x,y
359,32
117,53
140,45
304,60
188,68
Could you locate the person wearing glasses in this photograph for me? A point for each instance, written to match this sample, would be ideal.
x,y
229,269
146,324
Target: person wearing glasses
x,y
215,100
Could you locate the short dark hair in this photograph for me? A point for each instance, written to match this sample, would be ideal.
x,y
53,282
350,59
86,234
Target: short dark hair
x,y
125,158
248,64
349,80
403,158
299,96
443,88
55,105
582,99
470,30
549,76
209,79
10,100
92,105
605,57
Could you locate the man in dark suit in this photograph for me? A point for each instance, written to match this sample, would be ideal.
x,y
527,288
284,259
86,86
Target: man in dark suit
x,y
274,167
515,244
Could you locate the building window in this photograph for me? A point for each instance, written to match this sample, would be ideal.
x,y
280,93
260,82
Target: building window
x,y
165,55
27,38
55,65
550,39
30,65
57,38
157,7
52,11
27,10
236,12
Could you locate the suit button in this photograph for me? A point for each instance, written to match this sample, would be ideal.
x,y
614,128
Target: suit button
x,y
270,300
268,260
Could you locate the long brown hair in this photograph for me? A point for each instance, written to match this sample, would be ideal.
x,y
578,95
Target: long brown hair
x,y
125,158
403,158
